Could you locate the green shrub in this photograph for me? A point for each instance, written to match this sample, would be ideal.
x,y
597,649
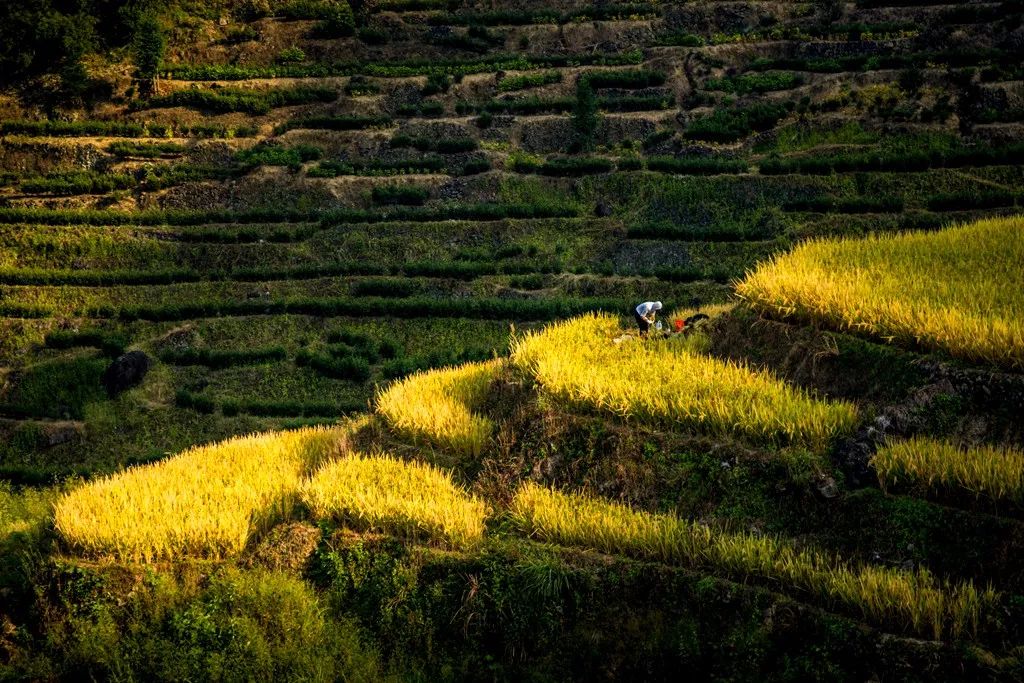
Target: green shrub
x,y
350,367
291,55
584,116
148,45
847,205
265,154
640,78
109,343
524,81
400,194
78,182
256,102
144,150
435,144
696,165
58,388
756,82
343,122
729,125
217,360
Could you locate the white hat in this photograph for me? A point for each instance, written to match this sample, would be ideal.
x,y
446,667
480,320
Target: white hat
x,y
657,306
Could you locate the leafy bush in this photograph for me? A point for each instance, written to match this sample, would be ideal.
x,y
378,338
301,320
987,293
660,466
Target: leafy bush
x,y
351,367
729,125
524,81
78,182
401,69
256,102
435,144
756,82
217,359
696,165
110,344
343,122
564,166
847,205
400,194
265,154
640,78
911,157
975,199
291,55
144,150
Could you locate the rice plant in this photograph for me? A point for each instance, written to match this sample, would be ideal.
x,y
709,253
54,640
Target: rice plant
x,y
912,600
956,291
438,406
404,498
588,362
205,502
990,471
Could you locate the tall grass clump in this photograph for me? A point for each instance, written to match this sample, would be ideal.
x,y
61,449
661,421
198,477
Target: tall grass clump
x,y
990,471
905,600
438,406
383,493
665,381
956,291
206,502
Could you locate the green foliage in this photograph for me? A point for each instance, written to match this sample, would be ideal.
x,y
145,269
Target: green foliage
x,y
639,78
400,194
584,116
756,82
148,44
343,122
562,166
224,100
442,145
77,182
217,359
524,81
266,154
348,366
57,389
291,55
909,155
238,626
121,129
401,69
696,165
144,150
729,125
110,343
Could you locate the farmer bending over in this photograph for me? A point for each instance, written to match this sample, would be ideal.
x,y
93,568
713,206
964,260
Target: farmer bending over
x,y
644,315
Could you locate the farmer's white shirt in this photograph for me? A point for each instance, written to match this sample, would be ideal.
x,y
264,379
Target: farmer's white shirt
x,y
645,308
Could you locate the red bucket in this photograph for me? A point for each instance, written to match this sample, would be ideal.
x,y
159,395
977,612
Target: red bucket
x,y
677,325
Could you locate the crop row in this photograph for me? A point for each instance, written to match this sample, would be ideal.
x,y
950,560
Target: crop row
x,y
399,69
476,212
526,106
256,102
907,160
610,12
231,407
411,307
123,129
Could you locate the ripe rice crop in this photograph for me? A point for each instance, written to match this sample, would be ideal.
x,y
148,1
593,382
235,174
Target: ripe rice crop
x,y
914,601
665,382
994,472
208,501
956,291
438,406
405,498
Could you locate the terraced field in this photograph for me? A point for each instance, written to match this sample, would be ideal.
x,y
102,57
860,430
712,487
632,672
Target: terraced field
x,y
315,344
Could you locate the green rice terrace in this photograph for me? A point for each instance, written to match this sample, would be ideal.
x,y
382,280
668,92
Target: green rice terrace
x,y
318,357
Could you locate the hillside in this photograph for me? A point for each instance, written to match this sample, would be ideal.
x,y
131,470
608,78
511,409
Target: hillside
x,y
317,361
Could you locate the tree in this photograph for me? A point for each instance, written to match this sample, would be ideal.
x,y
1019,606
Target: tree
x,y
148,50
584,115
